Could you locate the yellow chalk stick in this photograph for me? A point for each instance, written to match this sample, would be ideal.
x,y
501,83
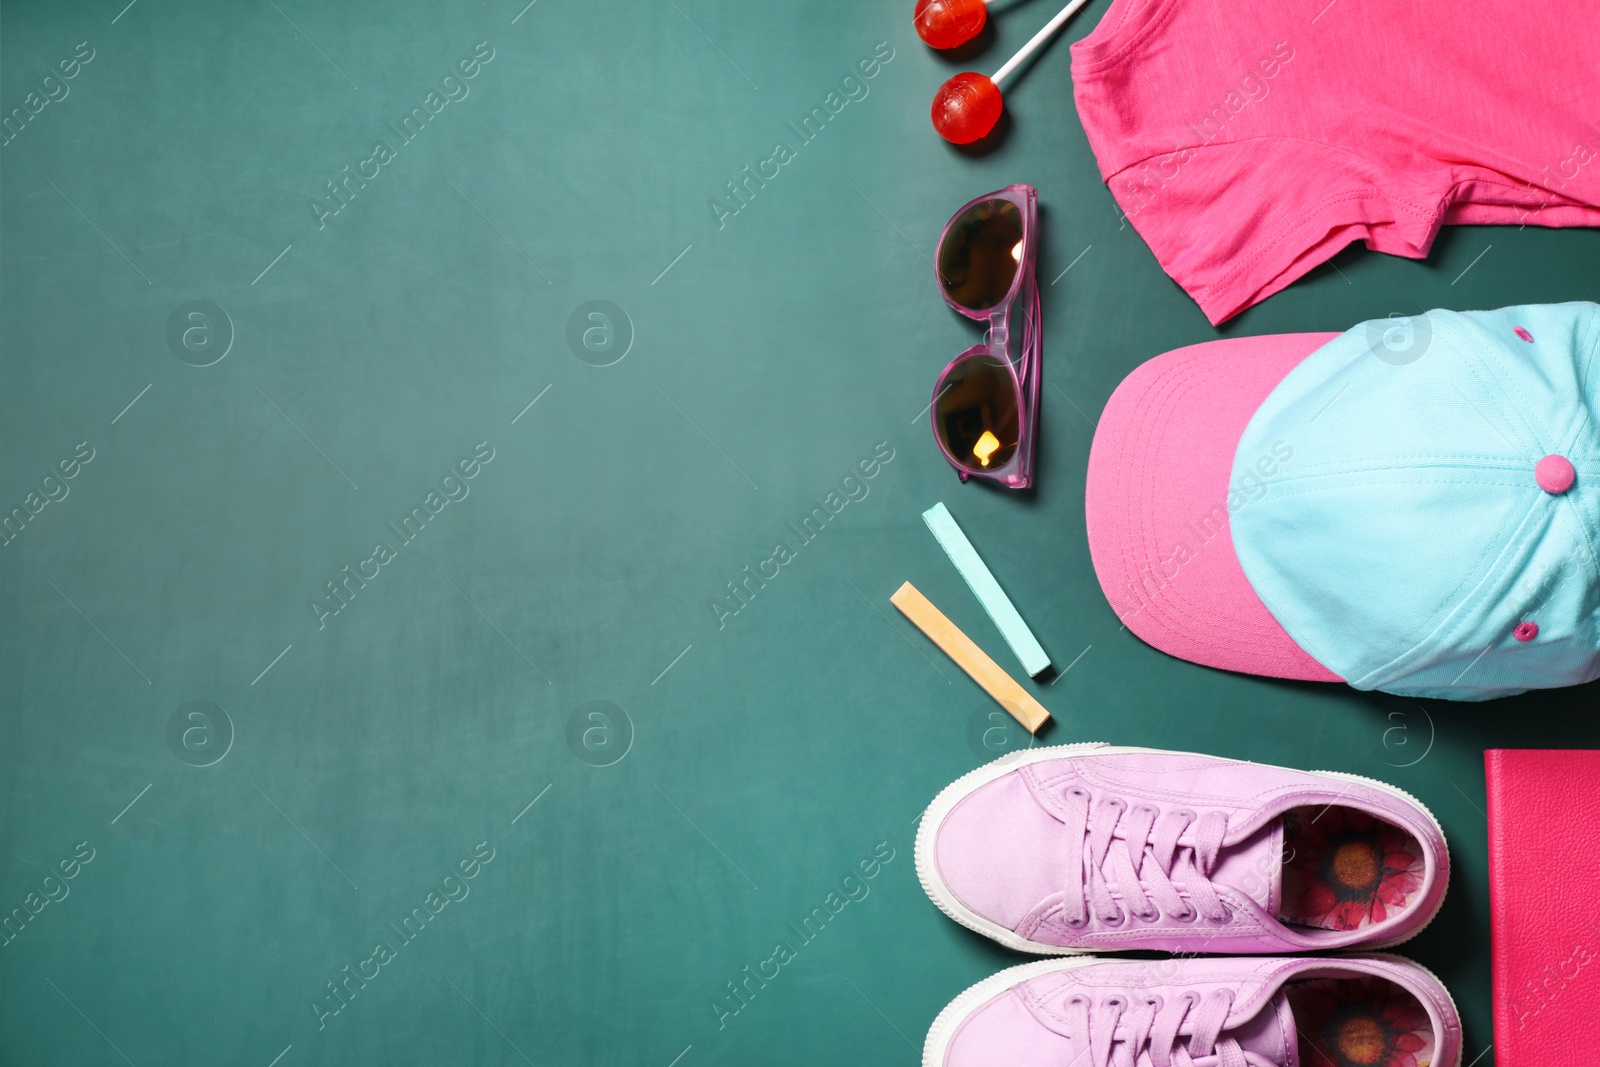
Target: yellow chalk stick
x,y
970,658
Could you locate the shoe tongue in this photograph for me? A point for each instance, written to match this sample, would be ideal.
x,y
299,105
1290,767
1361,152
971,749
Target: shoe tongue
x,y
1254,866
1271,1034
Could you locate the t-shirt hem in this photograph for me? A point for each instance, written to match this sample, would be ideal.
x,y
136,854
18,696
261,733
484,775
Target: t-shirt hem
x,y
1245,285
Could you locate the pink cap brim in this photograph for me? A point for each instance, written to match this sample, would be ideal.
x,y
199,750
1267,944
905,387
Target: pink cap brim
x,y
1158,504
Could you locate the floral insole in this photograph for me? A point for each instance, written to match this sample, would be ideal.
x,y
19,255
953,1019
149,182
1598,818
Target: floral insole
x,y
1360,1022
1344,869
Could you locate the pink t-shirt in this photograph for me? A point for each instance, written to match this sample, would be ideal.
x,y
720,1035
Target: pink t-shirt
x,y
1249,140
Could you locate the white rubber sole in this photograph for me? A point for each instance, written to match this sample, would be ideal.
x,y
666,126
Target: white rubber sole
x,y
961,788
944,1028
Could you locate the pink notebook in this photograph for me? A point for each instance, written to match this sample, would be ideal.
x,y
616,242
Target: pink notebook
x,y
1544,904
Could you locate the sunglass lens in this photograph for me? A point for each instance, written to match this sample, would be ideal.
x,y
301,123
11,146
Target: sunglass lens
x,y
975,413
981,253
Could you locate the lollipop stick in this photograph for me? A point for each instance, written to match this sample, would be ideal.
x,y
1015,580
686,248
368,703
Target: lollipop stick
x,y
1038,40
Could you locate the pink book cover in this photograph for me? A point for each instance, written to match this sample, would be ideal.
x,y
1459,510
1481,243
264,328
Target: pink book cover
x,y
1544,907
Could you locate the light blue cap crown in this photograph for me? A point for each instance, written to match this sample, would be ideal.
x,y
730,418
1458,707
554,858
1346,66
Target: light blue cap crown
x,y
1408,544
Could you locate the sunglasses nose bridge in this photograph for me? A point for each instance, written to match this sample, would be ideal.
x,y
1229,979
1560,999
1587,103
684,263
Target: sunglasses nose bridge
x,y
999,332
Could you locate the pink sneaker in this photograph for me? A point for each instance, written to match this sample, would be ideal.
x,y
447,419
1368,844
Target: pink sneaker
x,y
1378,1011
1079,848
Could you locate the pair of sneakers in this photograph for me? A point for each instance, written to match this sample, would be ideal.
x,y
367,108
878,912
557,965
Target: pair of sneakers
x,y
1238,869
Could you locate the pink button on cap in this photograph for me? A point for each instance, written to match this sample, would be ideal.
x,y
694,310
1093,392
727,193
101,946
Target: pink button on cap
x,y
1555,474
1525,631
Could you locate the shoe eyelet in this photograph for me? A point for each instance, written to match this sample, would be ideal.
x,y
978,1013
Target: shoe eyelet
x,y
1188,915
1078,924
1116,1002
1153,915
1121,918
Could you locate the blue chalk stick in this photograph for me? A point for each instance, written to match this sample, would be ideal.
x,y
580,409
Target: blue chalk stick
x,y
986,589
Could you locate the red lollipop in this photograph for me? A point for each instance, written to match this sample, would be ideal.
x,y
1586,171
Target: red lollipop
x,y
950,23
968,105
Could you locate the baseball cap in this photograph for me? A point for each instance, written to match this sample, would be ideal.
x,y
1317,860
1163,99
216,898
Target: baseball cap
x,y
1411,506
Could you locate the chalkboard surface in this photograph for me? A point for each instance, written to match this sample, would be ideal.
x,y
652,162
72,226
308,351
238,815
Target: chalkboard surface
x,y
433,379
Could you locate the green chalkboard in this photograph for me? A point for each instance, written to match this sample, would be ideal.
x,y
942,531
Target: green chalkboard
x,y
432,378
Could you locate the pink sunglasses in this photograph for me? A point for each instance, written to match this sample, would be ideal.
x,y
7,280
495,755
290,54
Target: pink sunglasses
x,y
986,402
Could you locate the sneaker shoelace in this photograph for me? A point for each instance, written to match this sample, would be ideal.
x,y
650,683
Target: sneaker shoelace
x,y
1138,849
1116,1035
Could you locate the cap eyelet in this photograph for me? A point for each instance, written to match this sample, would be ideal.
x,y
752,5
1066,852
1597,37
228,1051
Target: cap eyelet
x,y
1524,334
1525,631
